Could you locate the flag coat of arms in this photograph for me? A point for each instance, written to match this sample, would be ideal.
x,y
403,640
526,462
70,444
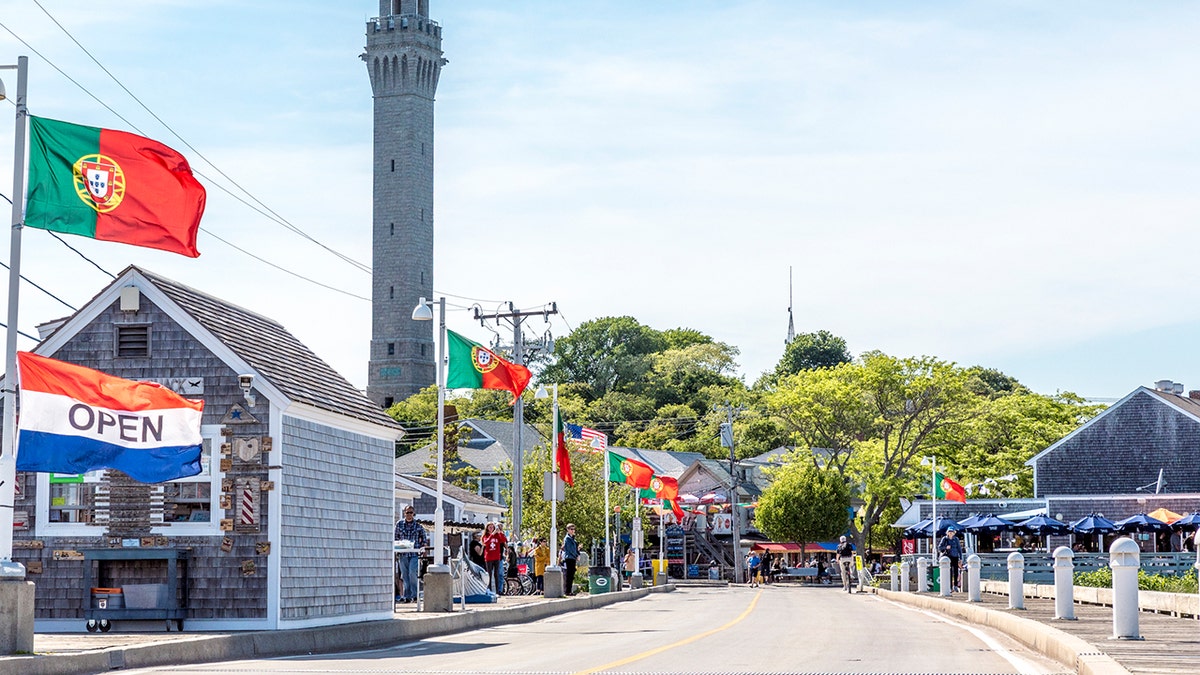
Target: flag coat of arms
x,y
629,471
666,489
111,185
950,490
473,366
74,419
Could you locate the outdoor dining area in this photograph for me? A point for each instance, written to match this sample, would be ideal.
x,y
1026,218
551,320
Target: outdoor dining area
x,y
1165,537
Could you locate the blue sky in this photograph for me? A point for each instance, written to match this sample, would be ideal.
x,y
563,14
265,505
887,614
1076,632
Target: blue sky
x,y
1009,184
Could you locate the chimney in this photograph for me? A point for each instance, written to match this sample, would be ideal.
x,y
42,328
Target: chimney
x,y
1178,389
1163,385
1194,394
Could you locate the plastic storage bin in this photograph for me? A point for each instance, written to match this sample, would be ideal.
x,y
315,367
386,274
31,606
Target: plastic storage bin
x,y
145,596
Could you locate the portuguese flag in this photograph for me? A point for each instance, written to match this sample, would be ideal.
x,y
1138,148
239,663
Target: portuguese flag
x,y
473,366
628,471
560,449
661,487
113,186
949,490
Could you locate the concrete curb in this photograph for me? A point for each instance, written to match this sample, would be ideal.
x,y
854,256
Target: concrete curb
x,y
1062,647
328,639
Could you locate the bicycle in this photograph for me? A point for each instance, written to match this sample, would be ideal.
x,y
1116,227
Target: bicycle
x,y
522,584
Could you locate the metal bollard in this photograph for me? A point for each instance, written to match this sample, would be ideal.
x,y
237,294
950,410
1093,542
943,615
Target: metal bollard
x,y
905,585
922,575
945,582
895,569
1123,558
1016,581
1064,584
973,565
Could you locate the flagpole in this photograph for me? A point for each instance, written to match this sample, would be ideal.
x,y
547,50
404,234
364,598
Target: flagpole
x,y
554,481
933,496
8,444
607,546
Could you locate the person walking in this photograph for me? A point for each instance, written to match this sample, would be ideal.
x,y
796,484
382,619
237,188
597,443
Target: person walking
x,y
845,561
494,544
410,530
475,554
570,556
541,560
951,547
754,568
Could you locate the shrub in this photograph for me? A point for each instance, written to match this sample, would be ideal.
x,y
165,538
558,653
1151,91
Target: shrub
x,y
1102,578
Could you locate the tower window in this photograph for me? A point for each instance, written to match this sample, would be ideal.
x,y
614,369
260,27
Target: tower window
x,y
393,165
422,149
391,349
422,350
422,278
391,292
422,215
388,401
392,228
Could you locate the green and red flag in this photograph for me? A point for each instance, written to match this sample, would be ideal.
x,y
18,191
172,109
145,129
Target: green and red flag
x,y
949,490
113,186
628,471
473,366
661,487
560,450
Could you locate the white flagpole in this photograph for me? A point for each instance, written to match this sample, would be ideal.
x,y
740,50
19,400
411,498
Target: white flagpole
x,y
933,496
607,546
554,482
8,444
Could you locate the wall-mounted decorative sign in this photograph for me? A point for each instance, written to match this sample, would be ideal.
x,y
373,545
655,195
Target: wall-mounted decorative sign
x,y
246,449
266,485
227,524
68,555
238,415
226,502
248,568
247,498
34,567
29,543
147,541
226,464
226,544
263,548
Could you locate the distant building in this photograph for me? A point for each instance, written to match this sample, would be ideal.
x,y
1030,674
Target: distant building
x,y
486,445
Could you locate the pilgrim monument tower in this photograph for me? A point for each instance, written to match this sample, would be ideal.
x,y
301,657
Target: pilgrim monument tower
x,y
404,60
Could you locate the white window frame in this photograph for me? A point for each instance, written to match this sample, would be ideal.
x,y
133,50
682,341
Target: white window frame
x,y
210,472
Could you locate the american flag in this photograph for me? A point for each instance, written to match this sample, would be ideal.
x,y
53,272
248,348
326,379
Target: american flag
x,y
587,439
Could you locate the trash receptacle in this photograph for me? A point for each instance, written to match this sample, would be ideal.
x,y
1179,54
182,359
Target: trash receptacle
x,y
660,571
935,577
599,579
714,573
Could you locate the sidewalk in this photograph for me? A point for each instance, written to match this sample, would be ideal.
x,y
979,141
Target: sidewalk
x,y
82,653
1170,645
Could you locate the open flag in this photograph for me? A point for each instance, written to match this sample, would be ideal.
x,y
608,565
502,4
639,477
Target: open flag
x,y
560,450
75,419
111,185
666,489
473,366
628,471
588,440
949,490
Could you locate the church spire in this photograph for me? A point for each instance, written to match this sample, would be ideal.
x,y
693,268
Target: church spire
x,y
791,326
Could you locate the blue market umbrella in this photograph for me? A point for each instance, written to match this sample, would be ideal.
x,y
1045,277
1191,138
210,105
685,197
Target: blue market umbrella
x,y
1043,525
1187,523
943,524
991,523
917,530
1141,523
970,520
1093,524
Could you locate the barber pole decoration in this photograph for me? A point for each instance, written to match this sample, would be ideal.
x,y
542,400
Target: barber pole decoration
x,y
247,503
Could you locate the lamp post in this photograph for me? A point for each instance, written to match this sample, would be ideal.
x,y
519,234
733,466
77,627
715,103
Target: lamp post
x,y
439,596
553,581
931,462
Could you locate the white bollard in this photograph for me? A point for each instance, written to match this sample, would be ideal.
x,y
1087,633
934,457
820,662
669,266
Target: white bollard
x,y
973,591
895,569
1016,581
905,566
922,575
1123,558
945,583
1064,584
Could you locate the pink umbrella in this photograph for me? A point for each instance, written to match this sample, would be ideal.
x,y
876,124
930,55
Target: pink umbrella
x,y
713,498
688,499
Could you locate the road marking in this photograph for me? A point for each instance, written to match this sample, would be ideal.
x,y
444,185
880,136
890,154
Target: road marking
x,y
1023,666
659,650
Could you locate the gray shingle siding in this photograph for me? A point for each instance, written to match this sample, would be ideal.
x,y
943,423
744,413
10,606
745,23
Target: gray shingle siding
x,y
336,553
1124,450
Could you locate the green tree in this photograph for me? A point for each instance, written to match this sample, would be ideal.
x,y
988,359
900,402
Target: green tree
x,y
804,503
583,503
608,354
809,351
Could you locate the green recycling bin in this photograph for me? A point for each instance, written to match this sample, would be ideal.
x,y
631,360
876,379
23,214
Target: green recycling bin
x,y
599,579
935,576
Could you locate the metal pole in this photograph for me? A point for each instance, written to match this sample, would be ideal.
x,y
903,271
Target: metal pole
x,y
554,481
607,508
439,515
8,444
933,497
733,508
518,425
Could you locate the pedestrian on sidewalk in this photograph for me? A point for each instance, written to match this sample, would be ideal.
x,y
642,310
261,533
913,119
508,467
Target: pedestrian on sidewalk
x,y
411,531
754,569
845,561
570,556
951,547
494,544
541,560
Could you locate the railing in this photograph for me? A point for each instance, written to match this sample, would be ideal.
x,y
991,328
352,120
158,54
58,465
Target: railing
x,y
1039,566
414,22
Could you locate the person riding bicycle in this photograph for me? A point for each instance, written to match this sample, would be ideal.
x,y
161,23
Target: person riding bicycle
x,y
845,559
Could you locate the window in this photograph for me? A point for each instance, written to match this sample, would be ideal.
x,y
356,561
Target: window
x,y
388,401
391,292
133,341
393,165
422,350
392,227
79,505
391,348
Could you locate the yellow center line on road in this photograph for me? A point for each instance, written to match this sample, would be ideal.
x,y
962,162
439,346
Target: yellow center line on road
x,y
659,650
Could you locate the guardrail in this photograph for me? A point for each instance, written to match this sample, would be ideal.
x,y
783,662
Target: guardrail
x,y
1039,566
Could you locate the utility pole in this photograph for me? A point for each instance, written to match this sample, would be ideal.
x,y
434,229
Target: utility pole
x,y
735,516
515,317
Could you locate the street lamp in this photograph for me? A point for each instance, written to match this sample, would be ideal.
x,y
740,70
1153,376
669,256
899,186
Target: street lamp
x,y
553,582
438,592
931,462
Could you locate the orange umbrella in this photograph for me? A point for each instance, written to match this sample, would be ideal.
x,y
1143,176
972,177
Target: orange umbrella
x,y
1165,515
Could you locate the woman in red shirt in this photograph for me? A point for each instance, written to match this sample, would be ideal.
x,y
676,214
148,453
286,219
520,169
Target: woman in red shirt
x,y
494,543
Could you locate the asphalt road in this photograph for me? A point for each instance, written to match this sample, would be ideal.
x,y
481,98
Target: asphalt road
x,y
777,629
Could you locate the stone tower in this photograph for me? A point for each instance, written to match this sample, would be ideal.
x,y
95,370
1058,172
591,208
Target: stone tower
x,y
404,60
